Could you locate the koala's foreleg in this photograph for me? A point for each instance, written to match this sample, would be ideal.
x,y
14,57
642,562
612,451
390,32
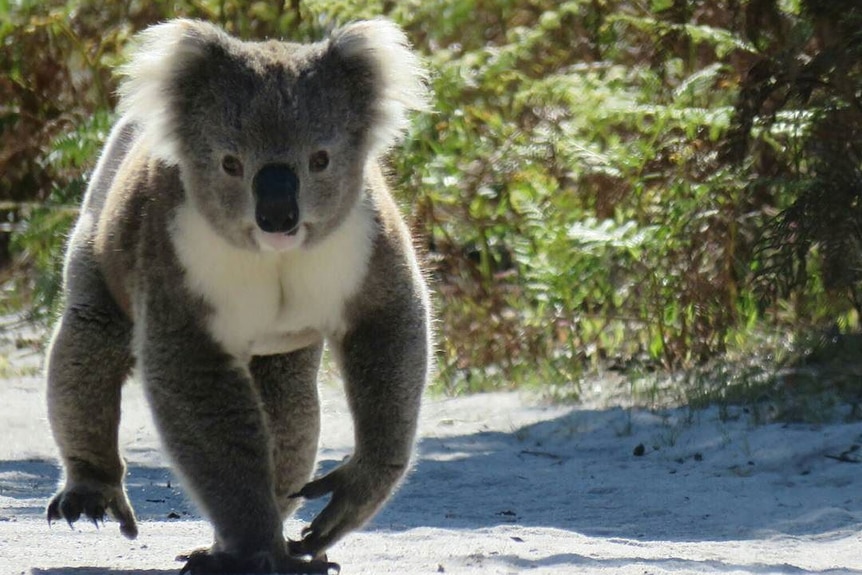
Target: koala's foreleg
x,y
384,362
212,425
88,361
287,385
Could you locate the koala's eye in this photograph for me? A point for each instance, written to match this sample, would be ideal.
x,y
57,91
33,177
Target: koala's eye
x,y
318,161
231,165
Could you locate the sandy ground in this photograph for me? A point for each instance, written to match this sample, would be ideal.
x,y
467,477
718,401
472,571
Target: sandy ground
x,y
501,485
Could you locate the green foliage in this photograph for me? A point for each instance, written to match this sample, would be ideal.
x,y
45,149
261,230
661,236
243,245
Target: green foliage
x,y
583,189
602,184
41,237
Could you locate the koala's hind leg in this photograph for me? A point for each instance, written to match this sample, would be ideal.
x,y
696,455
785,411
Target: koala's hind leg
x,y
88,361
288,388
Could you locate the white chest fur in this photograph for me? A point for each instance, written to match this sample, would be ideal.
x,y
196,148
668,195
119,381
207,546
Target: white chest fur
x,y
265,303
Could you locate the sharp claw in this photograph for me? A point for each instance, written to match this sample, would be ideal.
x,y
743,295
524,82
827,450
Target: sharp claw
x,y
304,492
70,509
318,488
191,564
53,512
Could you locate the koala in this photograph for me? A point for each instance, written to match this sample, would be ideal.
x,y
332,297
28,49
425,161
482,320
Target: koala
x,y
238,219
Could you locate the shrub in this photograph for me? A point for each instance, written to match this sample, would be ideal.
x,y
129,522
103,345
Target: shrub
x,y
602,183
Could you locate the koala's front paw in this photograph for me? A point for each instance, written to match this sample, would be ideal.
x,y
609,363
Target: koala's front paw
x,y
358,491
209,562
94,501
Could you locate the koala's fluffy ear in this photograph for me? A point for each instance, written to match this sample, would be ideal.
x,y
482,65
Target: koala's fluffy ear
x,y
160,56
399,77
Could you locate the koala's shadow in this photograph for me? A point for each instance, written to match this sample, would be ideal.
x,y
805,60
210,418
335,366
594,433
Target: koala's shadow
x,y
31,482
482,480
100,571
493,478
152,490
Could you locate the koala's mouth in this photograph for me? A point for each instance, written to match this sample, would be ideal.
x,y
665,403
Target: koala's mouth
x,y
281,241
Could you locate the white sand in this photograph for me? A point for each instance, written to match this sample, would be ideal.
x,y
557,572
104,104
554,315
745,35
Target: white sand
x,y
501,485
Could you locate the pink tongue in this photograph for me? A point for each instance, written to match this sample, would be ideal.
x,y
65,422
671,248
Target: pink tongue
x,y
280,241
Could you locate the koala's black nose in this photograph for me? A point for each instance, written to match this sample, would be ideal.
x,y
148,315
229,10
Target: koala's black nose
x,y
276,188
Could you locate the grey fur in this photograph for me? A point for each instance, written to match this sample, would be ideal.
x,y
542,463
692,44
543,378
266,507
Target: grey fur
x,y
232,380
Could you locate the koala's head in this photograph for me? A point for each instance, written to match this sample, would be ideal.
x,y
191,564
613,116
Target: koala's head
x,y
272,138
